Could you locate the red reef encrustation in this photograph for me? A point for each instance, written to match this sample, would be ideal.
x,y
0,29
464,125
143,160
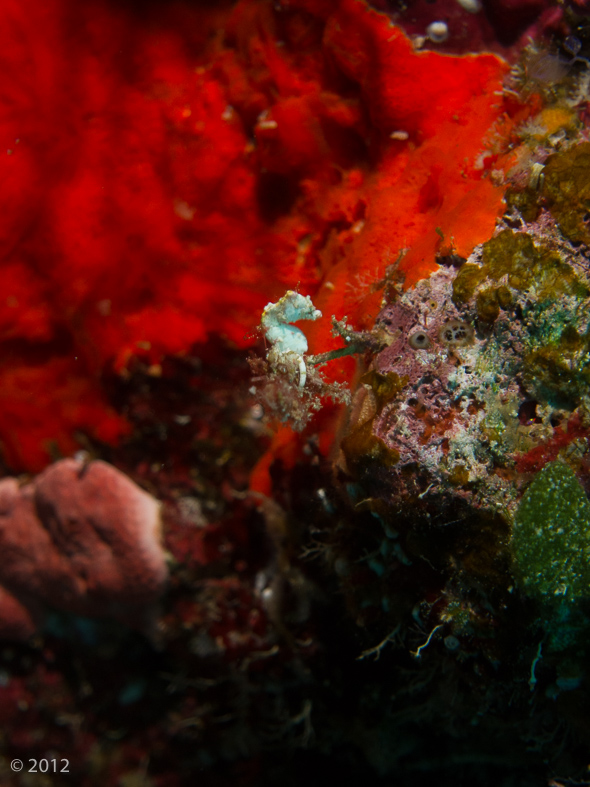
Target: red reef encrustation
x,y
81,538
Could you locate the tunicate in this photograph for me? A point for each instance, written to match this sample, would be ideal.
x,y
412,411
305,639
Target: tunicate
x,y
419,341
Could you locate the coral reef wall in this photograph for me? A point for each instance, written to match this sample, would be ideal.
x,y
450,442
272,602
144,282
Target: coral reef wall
x,y
167,172
364,220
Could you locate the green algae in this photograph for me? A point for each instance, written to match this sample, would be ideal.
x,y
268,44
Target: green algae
x,y
566,190
556,360
551,552
510,254
489,302
487,305
466,281
385,387
526,202
551,536
558,374
525,265
553,305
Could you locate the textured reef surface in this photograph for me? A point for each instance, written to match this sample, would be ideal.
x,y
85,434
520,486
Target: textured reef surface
x,y
294,393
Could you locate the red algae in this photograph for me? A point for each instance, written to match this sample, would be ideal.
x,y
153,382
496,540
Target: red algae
x,y
534,460
165,175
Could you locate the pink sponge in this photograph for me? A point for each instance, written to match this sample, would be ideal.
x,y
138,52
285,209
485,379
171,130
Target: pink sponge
x,y
82,538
